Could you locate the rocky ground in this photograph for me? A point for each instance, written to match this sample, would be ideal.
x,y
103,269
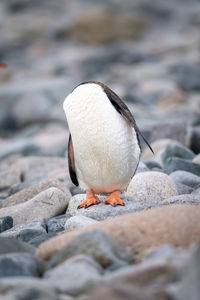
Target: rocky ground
x,y
149,53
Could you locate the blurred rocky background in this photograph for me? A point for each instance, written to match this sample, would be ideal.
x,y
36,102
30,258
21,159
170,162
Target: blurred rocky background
x,y
148,52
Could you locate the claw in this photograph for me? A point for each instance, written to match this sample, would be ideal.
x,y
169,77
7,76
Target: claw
x,y
91,199
113,199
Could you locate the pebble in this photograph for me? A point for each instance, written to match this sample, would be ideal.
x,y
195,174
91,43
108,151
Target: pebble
x,y
175,163
76,222
114,27
187,75
9,285
32,107
98,245
57,224
188,283
184,198
176,150
8,245
51,140
32,191
75,275
157,146
32,169
153,165
18,187
157,76
6,223
103,211
176,130
145,232
151,187
21,146
27,292
121,290
26,231
183,189
151,269
20,264
46,204
186,178
36,241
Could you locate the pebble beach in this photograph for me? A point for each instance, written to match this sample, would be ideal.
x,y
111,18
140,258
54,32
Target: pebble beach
x,y
149,54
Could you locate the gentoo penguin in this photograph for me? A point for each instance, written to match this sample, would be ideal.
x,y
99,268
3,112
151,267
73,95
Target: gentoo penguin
x,y
103,146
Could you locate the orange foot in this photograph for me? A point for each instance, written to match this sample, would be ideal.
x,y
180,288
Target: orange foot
x,y
113,199
91,199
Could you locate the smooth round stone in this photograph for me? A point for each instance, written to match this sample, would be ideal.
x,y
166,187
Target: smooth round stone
x,y
183,199
152,164
177,151
36,241
142,230
175,163
21,146
186,178
102,211
98,245
151,187
46,204
77,222
29,192
25,293
157,146
31,107
27,231
74,275
183,188
20,264
18,187
33,169
6,223
8,245
57,224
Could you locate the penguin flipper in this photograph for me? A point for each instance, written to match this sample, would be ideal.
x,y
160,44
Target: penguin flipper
x,y
123,109
71,163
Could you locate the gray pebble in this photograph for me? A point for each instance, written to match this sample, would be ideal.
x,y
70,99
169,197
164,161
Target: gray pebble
x,y
176,150
6,223
151,164
35,292
186,178
100,246
77,222
75,275
9,245
20,264
175,163
102,211
57,224
36,241
183,188
183,199
46,204
27,231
